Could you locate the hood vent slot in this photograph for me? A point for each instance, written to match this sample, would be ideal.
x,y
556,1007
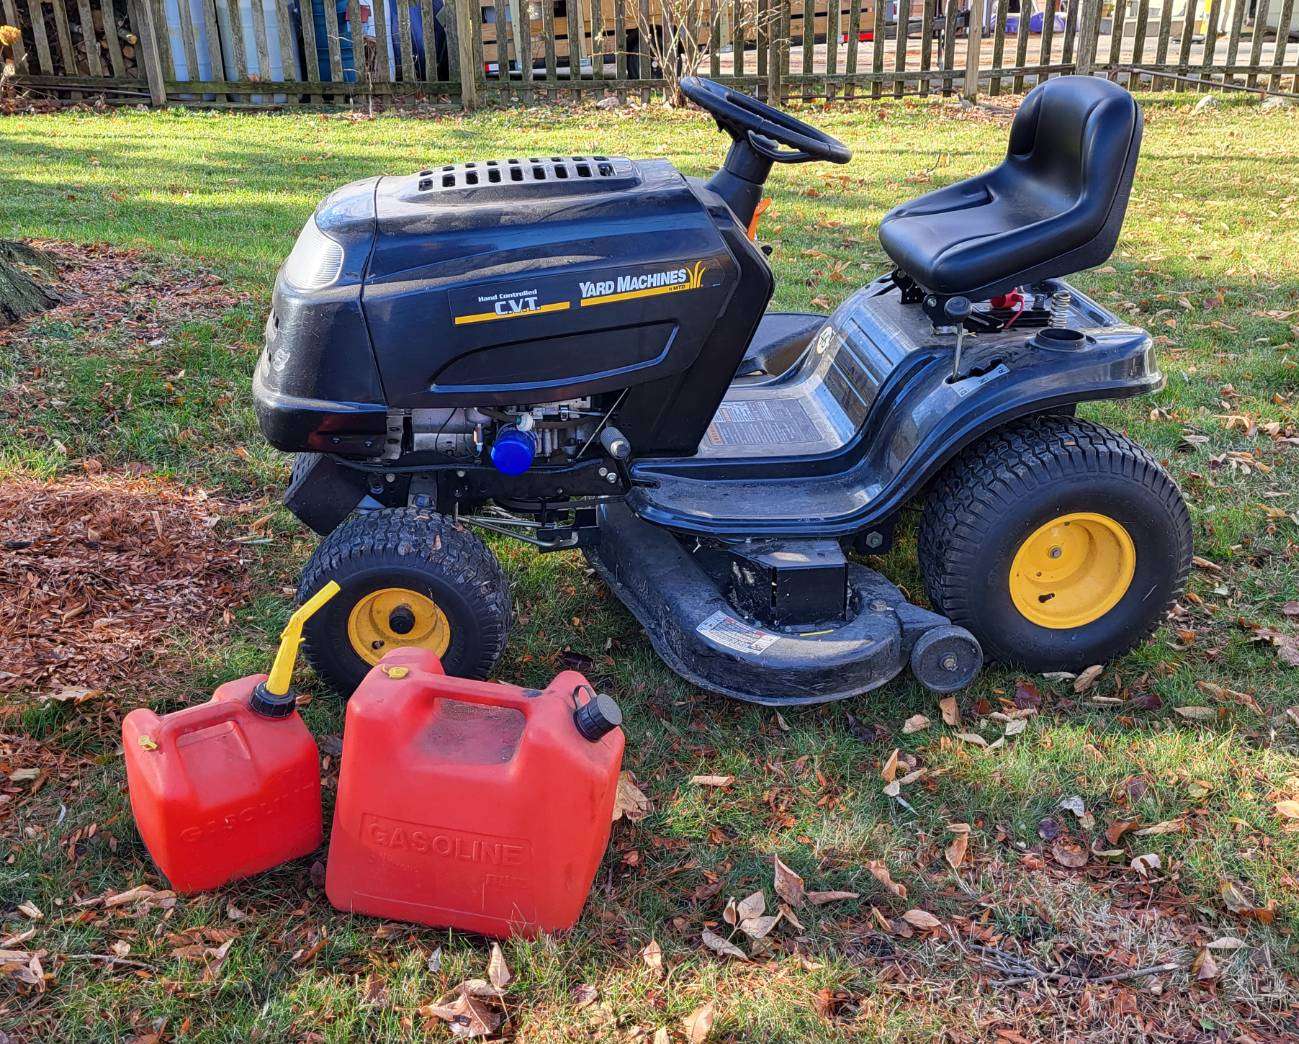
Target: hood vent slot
x,y
520,171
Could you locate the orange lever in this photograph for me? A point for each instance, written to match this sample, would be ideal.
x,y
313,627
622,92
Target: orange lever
x,y
758,211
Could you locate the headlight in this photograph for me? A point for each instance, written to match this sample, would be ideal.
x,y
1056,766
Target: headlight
x,y
315,261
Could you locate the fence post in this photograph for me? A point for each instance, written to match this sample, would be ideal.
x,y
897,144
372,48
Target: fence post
x,y
774,32
973,50
146,29
1089,23
465,47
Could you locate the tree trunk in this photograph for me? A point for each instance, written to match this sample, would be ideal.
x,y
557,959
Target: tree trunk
x,y
26,282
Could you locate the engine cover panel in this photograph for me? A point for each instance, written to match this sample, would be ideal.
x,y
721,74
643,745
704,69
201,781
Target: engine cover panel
x,y
538,287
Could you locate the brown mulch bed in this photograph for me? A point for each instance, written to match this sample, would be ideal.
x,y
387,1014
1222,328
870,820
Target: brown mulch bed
x,y
128,291
95,571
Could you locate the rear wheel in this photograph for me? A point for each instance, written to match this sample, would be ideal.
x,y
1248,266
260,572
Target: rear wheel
x,y
1058,542
409,578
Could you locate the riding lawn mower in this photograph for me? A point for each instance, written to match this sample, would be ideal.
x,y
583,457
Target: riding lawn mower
x,y
575,351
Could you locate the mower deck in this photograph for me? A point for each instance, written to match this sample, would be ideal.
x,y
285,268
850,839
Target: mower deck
x,y
680,601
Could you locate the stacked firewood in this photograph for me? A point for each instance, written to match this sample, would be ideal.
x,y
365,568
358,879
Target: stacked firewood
x,y
84,42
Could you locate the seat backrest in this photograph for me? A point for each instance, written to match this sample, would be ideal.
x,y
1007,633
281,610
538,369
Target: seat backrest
x,y
1074,143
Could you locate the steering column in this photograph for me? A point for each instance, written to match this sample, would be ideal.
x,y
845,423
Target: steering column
x,y
757,132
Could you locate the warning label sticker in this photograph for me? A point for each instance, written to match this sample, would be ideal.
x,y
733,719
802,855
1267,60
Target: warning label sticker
x,y
736,634
761,422
969,384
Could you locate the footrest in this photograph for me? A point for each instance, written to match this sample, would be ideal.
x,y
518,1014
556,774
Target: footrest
x,y
705,639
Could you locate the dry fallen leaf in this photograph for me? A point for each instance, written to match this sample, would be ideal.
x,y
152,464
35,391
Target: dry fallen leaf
x,y
498,972
759,927
1204,967
1144,864
915,723
951,712
889,770
972,737
652,955
1234,897
1069,853
465,1016
955,852
583,995
31,911
1288,809
1197,713
73,694
789,886
1115,831
630,800
881,874
821,898
922,919
1286,645
481,988
699,1023
1168,826
712,781
722,946
1087,678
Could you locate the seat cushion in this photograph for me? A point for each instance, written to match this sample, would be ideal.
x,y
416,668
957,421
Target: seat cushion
x,y
1052,207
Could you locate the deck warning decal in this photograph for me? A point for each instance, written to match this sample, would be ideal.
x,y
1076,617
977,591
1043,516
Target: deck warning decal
x,y
736,634
761,422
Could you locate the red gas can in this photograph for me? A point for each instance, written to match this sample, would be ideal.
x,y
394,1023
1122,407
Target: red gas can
x,y
221,791
471,804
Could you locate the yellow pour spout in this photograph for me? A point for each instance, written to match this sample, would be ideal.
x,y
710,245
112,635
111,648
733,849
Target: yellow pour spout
x,y
291,637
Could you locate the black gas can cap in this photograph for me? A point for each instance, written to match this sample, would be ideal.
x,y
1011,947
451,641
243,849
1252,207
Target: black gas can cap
x,y
272,705
597,716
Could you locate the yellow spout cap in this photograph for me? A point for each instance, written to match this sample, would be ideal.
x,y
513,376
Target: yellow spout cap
x,y
291,637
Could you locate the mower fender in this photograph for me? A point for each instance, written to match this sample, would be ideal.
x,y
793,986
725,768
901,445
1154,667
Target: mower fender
x,y
886,370
923,419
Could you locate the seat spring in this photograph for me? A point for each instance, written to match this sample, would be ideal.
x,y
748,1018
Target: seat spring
x,y
1061,301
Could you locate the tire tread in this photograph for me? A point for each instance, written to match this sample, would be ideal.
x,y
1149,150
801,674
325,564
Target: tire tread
x,y
462,559
975,490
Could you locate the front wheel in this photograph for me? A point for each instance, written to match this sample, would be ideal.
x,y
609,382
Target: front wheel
x,y
409,578
1058,542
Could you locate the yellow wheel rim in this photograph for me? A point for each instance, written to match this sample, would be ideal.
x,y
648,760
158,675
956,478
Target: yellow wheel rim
x,y
397,618
1073,570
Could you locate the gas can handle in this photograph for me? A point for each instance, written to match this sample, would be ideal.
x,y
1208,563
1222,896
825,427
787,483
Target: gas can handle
x,y
496,695
190,719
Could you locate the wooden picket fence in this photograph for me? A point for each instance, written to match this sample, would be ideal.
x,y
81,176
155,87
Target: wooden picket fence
x,y
290,53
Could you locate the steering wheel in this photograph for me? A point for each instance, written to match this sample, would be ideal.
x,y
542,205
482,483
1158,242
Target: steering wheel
x,y
765,128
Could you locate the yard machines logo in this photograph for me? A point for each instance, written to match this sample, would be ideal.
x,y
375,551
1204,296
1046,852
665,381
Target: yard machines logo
x,y
489,306
647,284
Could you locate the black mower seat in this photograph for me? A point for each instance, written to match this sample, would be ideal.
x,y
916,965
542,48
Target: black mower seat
x,y
1054,206
778,342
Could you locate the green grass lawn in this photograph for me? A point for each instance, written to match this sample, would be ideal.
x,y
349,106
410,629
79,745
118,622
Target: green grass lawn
x,y
1206,262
